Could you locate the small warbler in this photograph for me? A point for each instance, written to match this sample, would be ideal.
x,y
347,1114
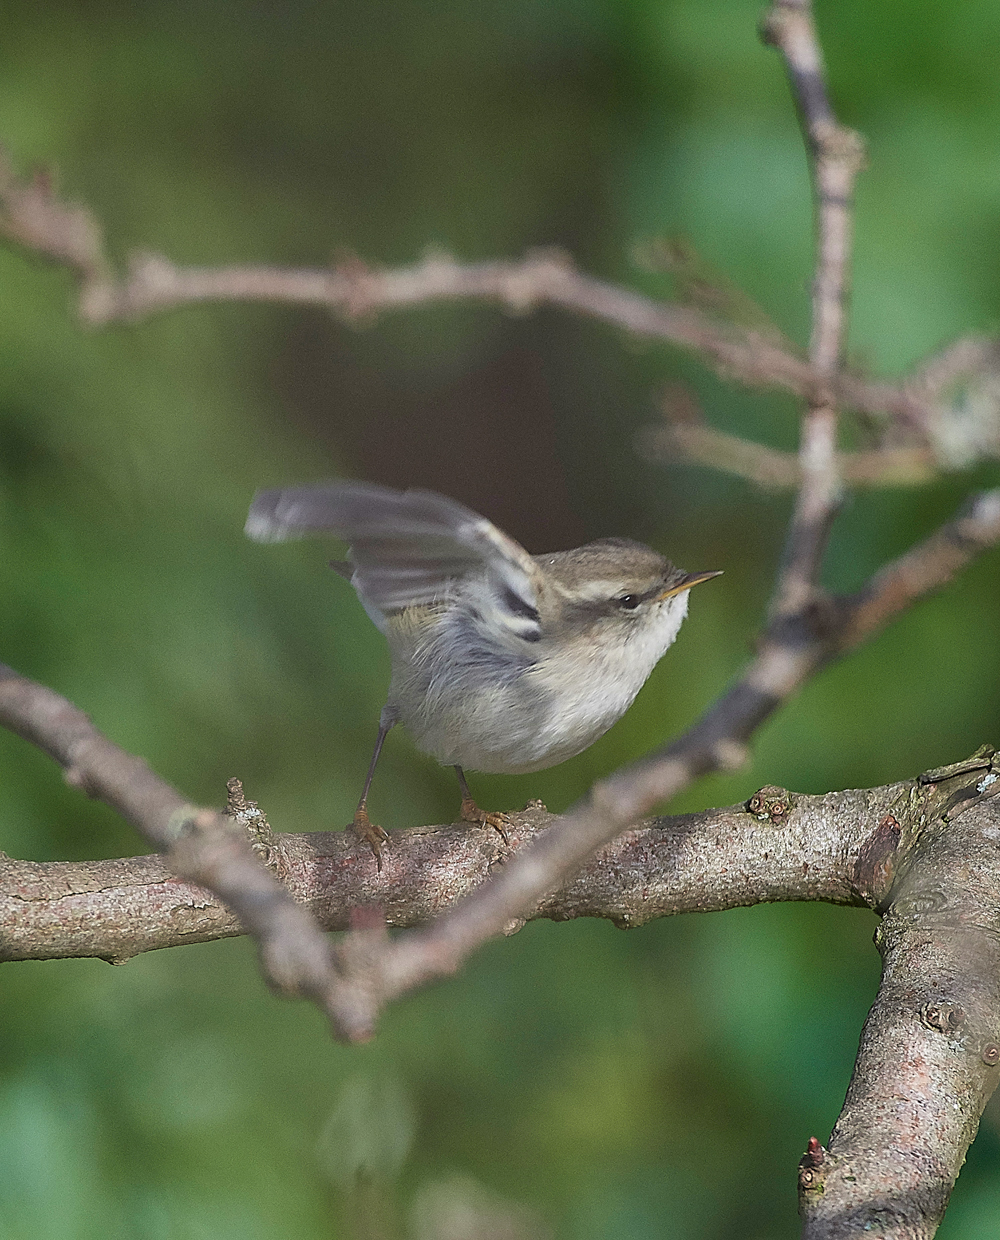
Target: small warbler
x,y
501,661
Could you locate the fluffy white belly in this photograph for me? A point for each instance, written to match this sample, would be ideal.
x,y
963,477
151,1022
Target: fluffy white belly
x,y
553,710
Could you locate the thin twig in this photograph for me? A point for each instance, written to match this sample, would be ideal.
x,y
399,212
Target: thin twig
x,y
972,355
927,567
201,845
685,435
774,469
836,158
755,353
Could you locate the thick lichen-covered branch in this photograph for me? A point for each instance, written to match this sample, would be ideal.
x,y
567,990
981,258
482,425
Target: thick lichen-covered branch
x,y
929,1057
782,847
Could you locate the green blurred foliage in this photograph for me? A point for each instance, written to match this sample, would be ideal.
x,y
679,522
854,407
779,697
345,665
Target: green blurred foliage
x,y
656,1083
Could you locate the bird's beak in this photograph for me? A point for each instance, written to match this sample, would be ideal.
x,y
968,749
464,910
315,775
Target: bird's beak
x,y
689,580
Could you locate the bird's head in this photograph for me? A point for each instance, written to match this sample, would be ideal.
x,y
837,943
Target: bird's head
x,y
618,590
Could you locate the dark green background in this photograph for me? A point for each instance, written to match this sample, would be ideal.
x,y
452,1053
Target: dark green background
x,y
660,1083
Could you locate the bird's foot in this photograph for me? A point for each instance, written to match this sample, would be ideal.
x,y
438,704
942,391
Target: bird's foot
x,y
470,812
371,833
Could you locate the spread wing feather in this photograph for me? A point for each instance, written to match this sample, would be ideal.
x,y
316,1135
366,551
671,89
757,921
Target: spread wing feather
x,y
407,548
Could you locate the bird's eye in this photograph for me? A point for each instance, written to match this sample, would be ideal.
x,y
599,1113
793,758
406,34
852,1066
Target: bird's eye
x,y
628,602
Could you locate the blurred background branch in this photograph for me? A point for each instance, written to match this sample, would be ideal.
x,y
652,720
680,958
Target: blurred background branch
x,y
685,434
754,354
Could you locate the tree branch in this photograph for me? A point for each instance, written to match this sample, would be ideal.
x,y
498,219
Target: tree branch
x,y
34,217
929,1055
930,1049
774,469
925,568
73,906
836,158
691,862
777,846
200,844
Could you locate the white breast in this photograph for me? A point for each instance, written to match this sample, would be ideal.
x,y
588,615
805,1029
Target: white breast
x,y
538,713
592,684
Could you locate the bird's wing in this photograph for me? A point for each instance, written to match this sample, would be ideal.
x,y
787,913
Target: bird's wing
x,y
408,547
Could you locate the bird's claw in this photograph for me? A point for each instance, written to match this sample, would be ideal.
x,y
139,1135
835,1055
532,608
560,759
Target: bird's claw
x,y
471,812
371,833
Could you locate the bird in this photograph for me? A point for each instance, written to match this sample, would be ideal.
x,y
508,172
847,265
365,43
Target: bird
x,y
501,661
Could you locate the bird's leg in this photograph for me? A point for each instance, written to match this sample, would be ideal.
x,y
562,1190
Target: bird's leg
x,y
470,811
363,827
